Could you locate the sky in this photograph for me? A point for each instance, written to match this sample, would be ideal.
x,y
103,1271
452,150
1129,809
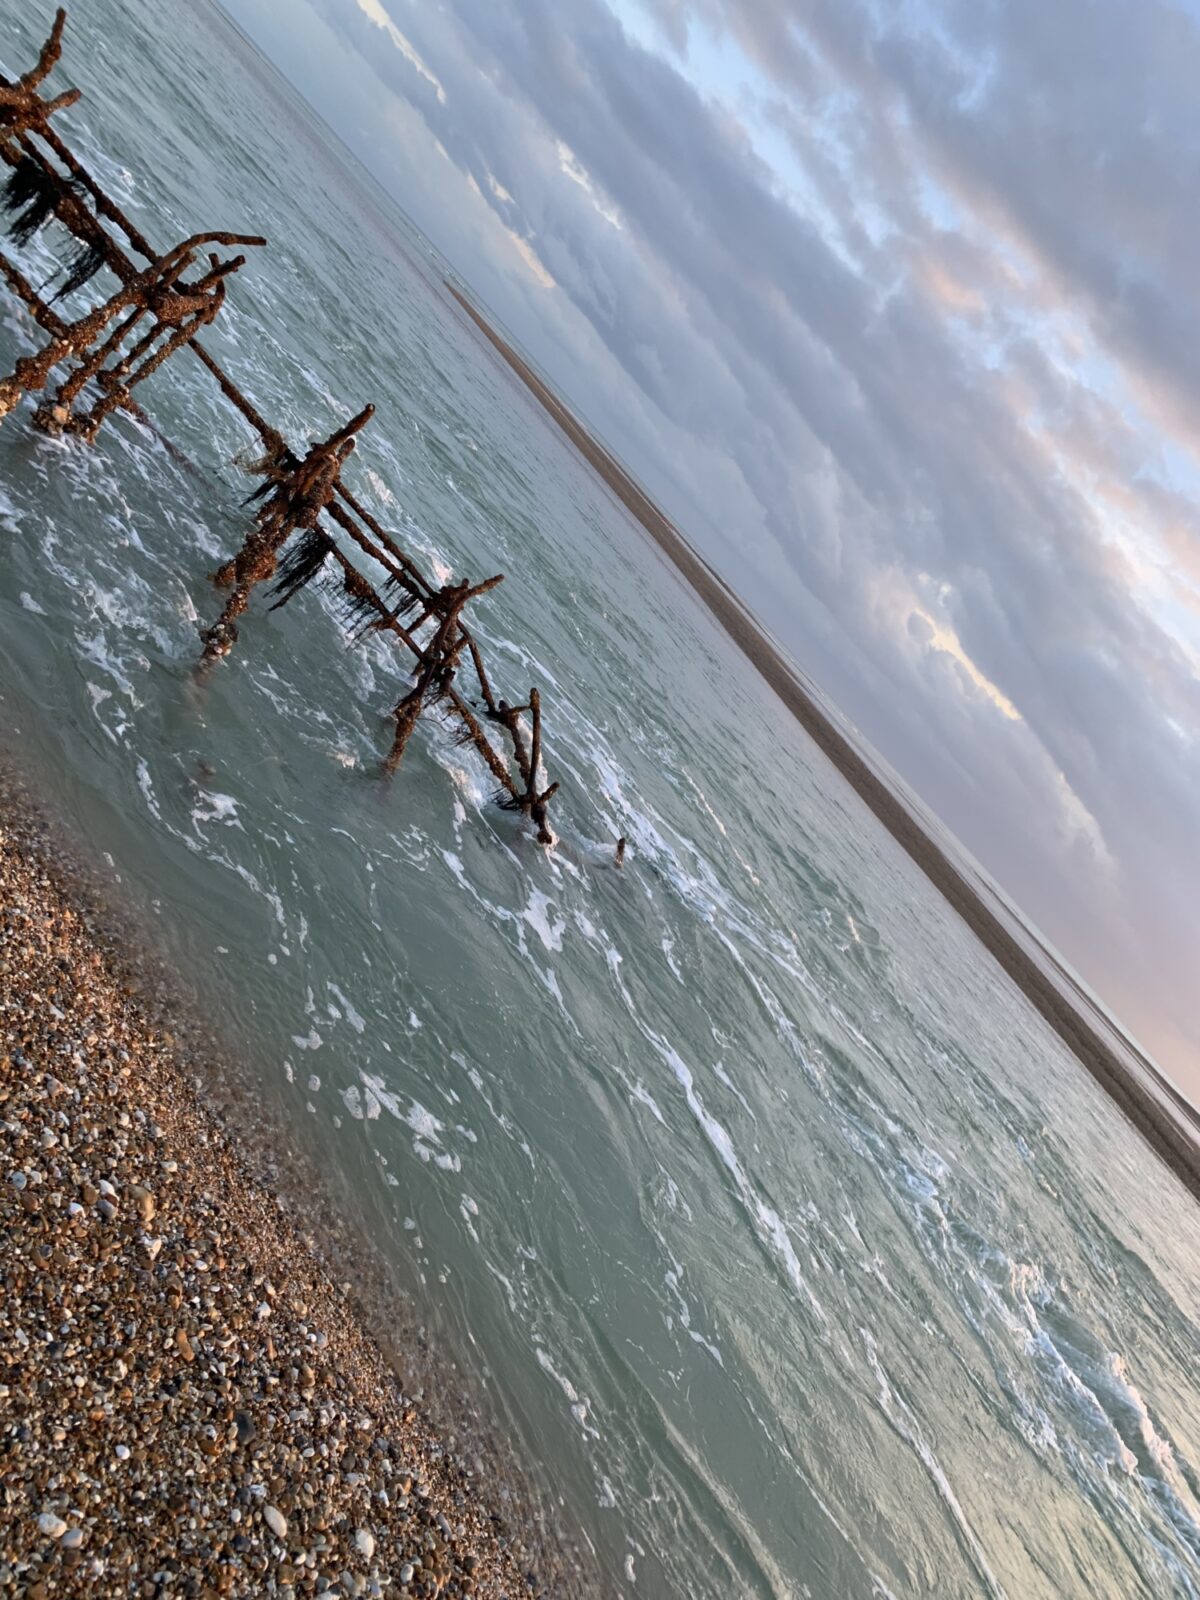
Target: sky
x,y
894,306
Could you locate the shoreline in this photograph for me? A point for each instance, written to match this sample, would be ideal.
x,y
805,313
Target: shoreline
x,y
1148,1100
191,1403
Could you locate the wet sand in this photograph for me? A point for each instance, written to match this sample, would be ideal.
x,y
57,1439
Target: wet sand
x,y
190,1403
1150,1102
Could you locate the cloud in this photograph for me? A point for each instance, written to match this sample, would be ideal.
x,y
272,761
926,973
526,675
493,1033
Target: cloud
x,y
375,12
936,636
569,163
894,308
529,256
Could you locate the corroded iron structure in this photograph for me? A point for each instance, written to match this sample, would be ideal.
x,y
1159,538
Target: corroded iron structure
x,y
307,524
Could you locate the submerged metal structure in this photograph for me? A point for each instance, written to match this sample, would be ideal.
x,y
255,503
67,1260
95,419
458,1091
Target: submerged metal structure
x,y
306,525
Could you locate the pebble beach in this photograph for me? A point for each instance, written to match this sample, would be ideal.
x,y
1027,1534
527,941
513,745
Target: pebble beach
x,y
190,1405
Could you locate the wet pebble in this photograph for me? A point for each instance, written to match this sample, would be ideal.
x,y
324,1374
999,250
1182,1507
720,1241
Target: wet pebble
x,y
191,1407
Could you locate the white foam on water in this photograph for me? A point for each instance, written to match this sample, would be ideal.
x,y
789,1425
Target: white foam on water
x,y
720,1073
578,1405
357,1022
671,1280
507,1284
667,944
642,1095
721,828
770,1225
423,1122
903,1421
10,516
214,807
537,914
380,489
269,895
146,785
353,1100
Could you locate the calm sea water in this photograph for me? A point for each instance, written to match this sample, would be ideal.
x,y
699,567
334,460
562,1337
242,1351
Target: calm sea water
x,y
798,1256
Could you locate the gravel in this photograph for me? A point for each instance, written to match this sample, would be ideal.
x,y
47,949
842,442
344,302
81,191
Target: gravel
x,y
189,1406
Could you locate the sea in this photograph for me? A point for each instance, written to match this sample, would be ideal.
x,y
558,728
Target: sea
x,y
792,1252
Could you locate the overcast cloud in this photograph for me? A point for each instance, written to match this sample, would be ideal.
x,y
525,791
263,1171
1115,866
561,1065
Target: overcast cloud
x,y
895,308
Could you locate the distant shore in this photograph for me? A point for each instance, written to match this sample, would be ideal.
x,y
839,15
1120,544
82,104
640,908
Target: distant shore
x,y
1153,1106
191,1403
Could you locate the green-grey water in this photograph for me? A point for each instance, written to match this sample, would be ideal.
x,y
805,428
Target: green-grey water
x,y
796,1254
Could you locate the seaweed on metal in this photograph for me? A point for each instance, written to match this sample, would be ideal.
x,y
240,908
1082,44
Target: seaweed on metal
x,y
359,606
120,342
31,195
81,269
301,562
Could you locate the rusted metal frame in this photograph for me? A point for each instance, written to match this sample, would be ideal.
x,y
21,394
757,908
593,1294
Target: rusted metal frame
x,y
21,97
348,429
440,656
440,661
480,672
118,394
432,667
449,594
207,297
386,540
28,295
69,209
54,414
254,564
481,741
106,207
433,662
32,373
535,741
78,221
89,368
16,145
387,623
509,718
271,437
50,321
531,801
398,574
113,374
301,495
48,58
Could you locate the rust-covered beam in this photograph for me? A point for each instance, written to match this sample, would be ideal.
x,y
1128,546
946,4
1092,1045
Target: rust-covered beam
x,y
287,540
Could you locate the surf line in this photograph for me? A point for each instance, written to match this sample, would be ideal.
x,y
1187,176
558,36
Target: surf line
x,y
160,303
